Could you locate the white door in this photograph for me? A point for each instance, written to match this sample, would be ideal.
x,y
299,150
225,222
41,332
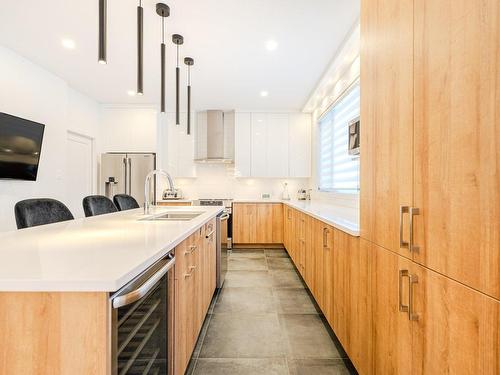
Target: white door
x,y
79,171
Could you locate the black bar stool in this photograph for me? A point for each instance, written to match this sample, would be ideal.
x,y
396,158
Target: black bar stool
x,y
40,211
125,202
94,205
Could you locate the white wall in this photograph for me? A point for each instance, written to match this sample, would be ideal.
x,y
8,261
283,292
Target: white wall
x,y
28,91
341,74
129,129
218,181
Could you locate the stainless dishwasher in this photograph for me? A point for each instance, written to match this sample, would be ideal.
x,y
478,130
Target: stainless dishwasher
x,y
142,322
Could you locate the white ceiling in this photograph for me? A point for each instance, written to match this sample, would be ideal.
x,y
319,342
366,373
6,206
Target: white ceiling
x,y
227,39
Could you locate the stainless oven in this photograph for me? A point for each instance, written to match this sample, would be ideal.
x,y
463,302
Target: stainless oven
x,y
142,322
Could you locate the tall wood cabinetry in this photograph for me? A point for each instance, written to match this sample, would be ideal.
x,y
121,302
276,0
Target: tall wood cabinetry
x,y
430,197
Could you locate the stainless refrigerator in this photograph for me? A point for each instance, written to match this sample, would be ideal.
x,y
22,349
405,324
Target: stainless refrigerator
x,y
125,173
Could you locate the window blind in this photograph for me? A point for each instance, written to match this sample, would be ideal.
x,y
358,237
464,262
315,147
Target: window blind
x,y
339,171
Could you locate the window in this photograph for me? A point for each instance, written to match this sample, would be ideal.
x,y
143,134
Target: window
x,y
337,170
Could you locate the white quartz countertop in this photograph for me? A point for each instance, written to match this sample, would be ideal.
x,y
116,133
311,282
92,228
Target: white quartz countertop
x,y
99,254
343,218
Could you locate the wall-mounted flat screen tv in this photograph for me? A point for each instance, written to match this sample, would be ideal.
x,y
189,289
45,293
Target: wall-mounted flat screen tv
x,y
20,147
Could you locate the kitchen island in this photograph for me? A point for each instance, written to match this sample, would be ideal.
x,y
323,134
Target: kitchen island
x,y
56,282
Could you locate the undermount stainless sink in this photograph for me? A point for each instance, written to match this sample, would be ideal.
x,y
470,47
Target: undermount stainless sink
x,y
175,216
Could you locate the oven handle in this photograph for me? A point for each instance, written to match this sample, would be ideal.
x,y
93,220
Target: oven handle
x,y
144,289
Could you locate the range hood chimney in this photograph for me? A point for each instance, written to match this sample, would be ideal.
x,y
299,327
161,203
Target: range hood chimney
x,y
215,137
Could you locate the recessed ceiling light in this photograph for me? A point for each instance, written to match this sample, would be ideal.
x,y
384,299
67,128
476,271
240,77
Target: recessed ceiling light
x,y
131,93
264,94
271,45
68,43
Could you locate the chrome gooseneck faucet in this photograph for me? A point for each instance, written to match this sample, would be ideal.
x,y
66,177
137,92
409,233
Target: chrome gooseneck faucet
x,y
147,187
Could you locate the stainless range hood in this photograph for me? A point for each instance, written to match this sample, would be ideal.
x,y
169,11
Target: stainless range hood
x,y
215,137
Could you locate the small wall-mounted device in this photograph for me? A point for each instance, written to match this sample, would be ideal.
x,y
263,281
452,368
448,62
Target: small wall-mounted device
x,y
354,136
265,196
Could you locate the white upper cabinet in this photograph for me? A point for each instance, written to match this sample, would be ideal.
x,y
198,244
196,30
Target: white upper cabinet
x,y
277,145
273,145
176,148
242,144
299,145
259,145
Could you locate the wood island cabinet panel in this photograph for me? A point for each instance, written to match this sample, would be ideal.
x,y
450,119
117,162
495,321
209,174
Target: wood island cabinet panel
x,y
56,333
387,137
457,140
195,282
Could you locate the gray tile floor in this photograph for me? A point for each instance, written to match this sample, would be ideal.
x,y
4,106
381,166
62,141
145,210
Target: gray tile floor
x,y
264,322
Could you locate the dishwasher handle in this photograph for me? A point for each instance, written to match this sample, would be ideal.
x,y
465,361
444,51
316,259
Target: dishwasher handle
x,y
144,289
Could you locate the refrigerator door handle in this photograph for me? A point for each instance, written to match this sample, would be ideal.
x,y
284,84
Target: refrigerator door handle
x,y
129,176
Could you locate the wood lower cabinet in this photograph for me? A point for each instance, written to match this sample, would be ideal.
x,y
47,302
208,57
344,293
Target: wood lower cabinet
x,y
456,330
257,223
426,323
195,282
174,204
392,336
288,232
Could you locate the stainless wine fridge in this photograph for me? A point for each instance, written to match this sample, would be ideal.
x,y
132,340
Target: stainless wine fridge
x,y
142,322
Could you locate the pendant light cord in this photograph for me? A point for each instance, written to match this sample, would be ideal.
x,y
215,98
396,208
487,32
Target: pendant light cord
x,y
163,29
177,55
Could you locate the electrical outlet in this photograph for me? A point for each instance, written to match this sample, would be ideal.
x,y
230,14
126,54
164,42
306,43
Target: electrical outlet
x,y
265,196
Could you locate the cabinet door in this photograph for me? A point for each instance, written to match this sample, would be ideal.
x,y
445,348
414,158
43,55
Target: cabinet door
x,y
310,262
328,271
277,147
457,327
300,145
391,327
287,218
318,254
300,234
387,134
259,145
457,137
264,224
359,319
243,144
277,235
244,223
341,286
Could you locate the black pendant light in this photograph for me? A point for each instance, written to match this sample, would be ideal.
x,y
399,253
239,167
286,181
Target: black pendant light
x,y
140,49
178,40
163,11
102,31
189,61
